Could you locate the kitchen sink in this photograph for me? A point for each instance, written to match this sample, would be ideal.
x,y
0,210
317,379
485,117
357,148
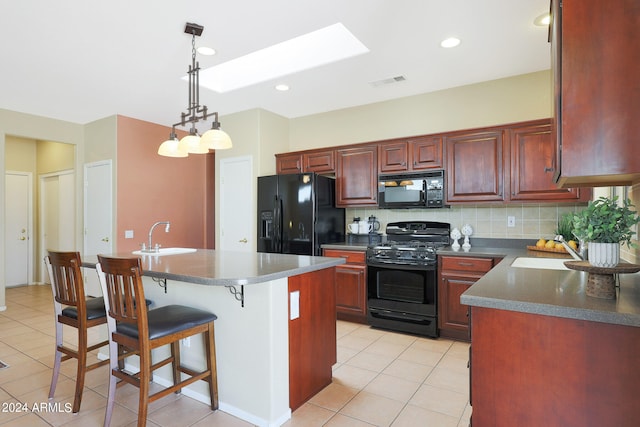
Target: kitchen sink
x,y
166,251
541,263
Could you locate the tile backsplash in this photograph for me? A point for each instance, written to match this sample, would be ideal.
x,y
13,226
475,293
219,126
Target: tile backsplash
x,y
531,221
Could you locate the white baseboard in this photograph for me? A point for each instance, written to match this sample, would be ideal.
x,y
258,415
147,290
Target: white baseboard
x,y
222,406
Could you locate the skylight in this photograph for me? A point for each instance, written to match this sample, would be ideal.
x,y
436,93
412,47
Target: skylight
x,y
330,44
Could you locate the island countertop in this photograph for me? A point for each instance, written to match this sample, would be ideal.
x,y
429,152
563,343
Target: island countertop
x,y
225,268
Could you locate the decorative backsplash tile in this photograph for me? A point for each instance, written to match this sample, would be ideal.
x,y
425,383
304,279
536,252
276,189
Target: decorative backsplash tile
x,y
531,221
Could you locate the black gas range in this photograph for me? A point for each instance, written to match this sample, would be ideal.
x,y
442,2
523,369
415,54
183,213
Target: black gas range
x,y
402,277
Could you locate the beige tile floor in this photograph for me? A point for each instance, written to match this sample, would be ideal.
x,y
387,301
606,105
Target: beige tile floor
x,y
381,379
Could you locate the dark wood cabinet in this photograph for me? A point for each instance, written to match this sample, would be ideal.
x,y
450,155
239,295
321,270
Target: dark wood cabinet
x,y
319,161
456,275
532,370
312,335
357,176
514,162
351,285
288,163
475,166
413,154
533,165
596,90
393,156
426,152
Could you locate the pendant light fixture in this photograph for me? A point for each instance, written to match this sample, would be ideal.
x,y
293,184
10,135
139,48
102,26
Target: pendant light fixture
x,y
214,138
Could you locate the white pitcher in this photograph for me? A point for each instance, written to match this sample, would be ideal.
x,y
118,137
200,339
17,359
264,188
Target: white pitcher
x,y
364,227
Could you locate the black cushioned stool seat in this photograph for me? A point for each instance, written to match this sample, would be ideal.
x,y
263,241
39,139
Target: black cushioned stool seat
x,y
167,320
95,309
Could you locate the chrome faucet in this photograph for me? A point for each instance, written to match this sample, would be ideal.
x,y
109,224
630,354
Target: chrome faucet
x,y
575,255
155,249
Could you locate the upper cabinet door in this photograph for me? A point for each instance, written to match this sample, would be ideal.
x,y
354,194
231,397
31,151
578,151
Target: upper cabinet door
x,y
288,163
426,152
533,164
597,90
357,176
393,156
475,169
319,161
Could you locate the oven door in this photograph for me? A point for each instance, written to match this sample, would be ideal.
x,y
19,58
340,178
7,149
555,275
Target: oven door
x,y
402,297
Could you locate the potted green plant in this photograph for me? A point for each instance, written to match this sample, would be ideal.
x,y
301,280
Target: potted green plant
x,y
605,225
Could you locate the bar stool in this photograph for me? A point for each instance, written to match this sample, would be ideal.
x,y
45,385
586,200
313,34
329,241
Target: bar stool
x,y
142,331
81,313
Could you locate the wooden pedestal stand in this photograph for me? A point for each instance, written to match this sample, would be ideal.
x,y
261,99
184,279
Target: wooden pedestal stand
x,y
601,282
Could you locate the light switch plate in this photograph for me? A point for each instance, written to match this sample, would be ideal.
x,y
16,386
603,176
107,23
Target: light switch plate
x,y
294,305
511,221
128,234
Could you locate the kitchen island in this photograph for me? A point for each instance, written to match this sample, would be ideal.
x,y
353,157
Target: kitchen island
x,y
275,333
545,353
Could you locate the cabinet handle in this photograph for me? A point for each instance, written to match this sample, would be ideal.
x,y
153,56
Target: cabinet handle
x,y
549,169
465,264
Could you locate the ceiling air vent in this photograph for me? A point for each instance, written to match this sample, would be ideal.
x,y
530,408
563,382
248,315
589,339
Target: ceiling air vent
x,y
390,80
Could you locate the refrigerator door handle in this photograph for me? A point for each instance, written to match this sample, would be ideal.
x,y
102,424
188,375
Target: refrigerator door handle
x,y
277,225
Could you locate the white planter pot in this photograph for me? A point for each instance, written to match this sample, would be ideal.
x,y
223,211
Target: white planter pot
x,y
605,255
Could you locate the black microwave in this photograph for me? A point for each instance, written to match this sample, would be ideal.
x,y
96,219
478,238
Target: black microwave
x,y
419,190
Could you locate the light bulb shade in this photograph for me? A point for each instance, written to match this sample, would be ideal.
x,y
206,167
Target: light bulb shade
x,y
192,144
171,148
216,139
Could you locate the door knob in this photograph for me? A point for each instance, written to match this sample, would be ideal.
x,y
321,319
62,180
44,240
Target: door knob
x,y
243,240
23,238
106,239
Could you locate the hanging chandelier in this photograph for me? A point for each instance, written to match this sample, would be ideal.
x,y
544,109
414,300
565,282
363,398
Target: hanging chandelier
x,y
213,139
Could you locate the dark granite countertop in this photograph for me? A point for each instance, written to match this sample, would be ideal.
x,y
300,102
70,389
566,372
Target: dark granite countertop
x,y
559,293
226,268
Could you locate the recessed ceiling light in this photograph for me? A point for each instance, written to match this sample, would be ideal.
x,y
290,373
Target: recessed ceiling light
x,y
282,87
324,46
207,51
542,20
450,42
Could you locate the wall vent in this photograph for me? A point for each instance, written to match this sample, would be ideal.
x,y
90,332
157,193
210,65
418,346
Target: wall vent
x,y
390,80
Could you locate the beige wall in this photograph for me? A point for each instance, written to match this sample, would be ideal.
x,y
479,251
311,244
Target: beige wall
x,y
30,127
257,133
519,98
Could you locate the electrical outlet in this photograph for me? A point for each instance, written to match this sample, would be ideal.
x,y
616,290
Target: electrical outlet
x,y
511,221
128,234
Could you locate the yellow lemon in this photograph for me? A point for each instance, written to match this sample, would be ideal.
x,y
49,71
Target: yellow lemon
x,y
550,244
559,246
573,244
540,243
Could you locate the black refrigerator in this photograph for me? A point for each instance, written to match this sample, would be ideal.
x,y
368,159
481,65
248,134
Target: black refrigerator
x,y
297,214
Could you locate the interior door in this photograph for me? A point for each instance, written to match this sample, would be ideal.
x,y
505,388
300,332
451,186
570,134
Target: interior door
x,y
237,208
98,208
18,244
57,214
